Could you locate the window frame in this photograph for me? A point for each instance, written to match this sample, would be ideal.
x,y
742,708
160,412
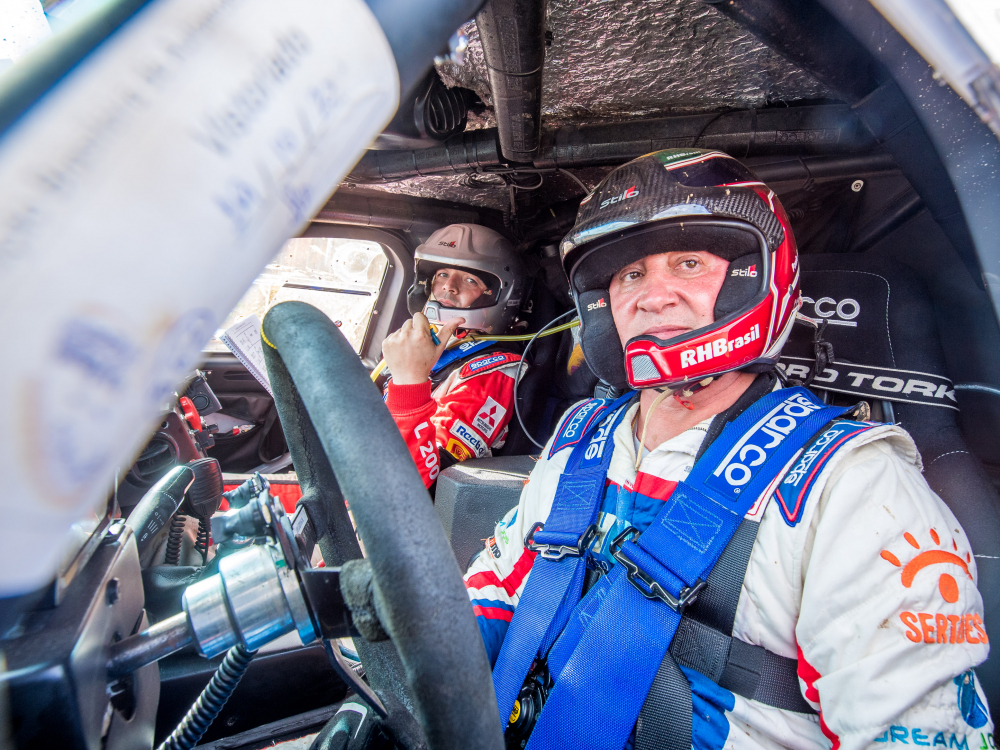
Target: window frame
x,y
390,310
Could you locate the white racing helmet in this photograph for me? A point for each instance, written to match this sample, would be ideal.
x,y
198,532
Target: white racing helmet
x,y
482,252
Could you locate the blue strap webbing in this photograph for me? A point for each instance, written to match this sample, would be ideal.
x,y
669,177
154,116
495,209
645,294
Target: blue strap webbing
x,y
554,588
603,684
458,352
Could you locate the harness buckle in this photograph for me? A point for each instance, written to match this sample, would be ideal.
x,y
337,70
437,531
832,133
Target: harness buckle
x,y
645,583
556,552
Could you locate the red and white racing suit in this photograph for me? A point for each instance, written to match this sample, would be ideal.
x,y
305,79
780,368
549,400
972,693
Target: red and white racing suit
x,y
465,414
872,589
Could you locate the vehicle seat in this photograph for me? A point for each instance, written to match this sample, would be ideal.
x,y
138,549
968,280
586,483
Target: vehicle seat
x,y
473,495
533,389
880,316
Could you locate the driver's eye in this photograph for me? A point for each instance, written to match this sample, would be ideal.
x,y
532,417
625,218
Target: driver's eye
x,y
689,264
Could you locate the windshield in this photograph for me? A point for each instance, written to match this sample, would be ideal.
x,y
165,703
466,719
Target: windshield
x,y
339,276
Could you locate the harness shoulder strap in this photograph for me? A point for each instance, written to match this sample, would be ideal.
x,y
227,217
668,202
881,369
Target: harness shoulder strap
x,y
456,354
556,579
578,423
704,637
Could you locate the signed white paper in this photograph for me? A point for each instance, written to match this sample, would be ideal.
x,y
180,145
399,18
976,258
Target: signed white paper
x,y
138,201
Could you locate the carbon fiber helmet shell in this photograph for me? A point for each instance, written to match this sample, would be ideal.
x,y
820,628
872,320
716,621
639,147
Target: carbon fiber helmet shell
x,y
480,251
685,199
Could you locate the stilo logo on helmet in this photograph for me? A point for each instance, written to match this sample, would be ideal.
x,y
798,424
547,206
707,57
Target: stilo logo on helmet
x,y
630,193
685,199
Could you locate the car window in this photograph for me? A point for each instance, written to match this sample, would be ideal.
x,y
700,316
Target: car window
x,y
339,276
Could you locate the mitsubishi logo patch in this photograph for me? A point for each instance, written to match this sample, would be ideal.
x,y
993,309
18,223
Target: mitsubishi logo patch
x,y
489,417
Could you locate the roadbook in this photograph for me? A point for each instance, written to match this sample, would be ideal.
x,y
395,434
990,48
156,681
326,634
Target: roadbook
x,y
243,340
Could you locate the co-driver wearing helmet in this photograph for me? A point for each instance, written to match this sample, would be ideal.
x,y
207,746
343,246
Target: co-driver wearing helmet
x,y
677,303
455,403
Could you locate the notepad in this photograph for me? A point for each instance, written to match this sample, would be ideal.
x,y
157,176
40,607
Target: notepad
x,y
243,340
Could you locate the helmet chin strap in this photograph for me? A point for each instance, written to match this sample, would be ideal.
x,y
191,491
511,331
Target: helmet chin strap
x,y
687,392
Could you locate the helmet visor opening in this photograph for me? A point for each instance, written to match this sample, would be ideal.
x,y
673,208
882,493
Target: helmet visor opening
x,y
746,285
727,239
426,271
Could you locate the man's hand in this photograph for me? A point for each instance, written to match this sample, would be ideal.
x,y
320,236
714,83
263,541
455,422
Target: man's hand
x,y
411,353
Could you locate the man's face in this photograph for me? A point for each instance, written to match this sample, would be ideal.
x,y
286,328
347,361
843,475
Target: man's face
x,y
459,289
666,295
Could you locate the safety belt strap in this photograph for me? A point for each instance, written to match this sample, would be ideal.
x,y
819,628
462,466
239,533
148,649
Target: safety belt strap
x,y
744,669
622,646
463,350
556,581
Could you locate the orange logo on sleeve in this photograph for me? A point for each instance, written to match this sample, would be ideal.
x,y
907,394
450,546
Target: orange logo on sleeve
x,y
933,627
458,450
946,583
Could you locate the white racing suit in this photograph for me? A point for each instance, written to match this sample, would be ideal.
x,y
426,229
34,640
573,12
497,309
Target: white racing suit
x,y
869,583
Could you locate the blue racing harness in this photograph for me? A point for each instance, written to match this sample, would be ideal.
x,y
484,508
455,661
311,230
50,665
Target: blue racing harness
x,y
607,651
456,353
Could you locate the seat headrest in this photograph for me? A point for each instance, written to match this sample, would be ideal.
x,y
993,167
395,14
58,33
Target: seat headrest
x,y
882,327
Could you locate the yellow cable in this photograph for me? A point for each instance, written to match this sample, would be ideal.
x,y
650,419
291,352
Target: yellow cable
x,y
473,337
378,370
524,336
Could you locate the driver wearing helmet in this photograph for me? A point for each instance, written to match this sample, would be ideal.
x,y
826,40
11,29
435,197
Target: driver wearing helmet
x,y
451,400
820,624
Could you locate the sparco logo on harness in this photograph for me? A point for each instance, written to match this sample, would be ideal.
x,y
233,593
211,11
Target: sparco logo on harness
x,y
754,448
632,192
579,419
576,425
595,448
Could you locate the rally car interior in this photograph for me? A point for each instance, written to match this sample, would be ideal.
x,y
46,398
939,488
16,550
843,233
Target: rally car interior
x,y
891,185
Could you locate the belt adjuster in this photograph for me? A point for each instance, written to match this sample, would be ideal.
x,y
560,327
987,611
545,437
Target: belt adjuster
x,y
646,584
556,552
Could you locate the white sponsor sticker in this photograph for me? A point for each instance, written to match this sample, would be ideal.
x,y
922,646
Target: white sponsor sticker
x,y
466,434
489,417
139,199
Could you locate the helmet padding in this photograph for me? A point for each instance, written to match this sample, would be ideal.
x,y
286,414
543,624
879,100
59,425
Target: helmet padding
x,y
741,285
599,338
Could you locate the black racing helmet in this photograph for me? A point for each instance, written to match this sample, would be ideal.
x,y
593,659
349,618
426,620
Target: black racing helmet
x,y
684,199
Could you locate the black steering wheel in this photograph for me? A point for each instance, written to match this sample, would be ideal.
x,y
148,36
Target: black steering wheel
x,y
344,444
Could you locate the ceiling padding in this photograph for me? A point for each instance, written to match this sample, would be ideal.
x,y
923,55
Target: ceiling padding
x,y
612,59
